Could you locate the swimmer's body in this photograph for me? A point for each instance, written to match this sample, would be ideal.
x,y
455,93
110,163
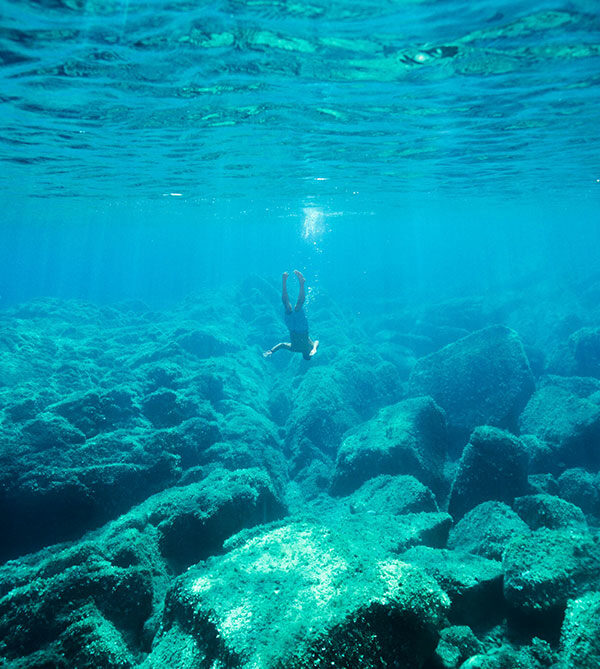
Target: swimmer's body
x,y
296,322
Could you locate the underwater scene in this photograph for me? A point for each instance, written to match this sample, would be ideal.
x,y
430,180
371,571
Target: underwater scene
x,y
300,334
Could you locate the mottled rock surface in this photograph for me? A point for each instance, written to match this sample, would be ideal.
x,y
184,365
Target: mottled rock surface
x,y
329,602
481,379
405,438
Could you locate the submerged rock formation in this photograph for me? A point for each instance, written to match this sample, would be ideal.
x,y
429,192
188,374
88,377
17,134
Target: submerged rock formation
x,y
170,498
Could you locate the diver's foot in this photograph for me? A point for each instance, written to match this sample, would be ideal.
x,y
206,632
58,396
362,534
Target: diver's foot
x,y
299,276
284,276
267,354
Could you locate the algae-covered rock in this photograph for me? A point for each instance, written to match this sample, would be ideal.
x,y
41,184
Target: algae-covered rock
x,y
392,494
549,511
580,634
493,466
584,345
42,502
547,567
203,344
405,438
538,654
487,529
48,431
566,414
50,601
190,440
331,399
581,488
194,520
89,641
541,455
95,412
482,379
93,641
392,533
579,355
166,408
456,644
300,596
543,484
473,583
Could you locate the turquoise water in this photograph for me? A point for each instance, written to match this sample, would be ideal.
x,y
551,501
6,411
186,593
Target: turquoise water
x,y
431,136
177,491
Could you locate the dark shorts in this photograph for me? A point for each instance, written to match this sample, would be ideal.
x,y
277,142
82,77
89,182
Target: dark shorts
x,y
296,322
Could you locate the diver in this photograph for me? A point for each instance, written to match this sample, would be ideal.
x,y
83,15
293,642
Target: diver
x,y
296,322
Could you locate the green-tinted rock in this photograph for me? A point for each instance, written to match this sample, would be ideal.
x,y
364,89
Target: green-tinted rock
x,y
566,414
92,642
473,583
537,655
194,520
580,487
542,484
585,346
95,412
392,533
580,635
546,568
493,466
48,431
334,398
405,438
394,495
301,596
487,529
167,408
482,379
456,644
549,511
38,606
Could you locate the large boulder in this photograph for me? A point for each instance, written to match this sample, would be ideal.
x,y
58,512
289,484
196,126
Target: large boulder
x,y
457,643
579,355
473,583
300,596
47,431
392,494
481,379
94,412
538,654
546,568
331,399
493,466
581,488
72,600
543,510
565,413
487,529
580,634
585,345
194,520
405,438
168,408
57,495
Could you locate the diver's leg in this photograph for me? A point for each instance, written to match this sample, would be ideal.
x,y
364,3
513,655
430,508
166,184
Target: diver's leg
x,y
301,295
284,344
284,296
